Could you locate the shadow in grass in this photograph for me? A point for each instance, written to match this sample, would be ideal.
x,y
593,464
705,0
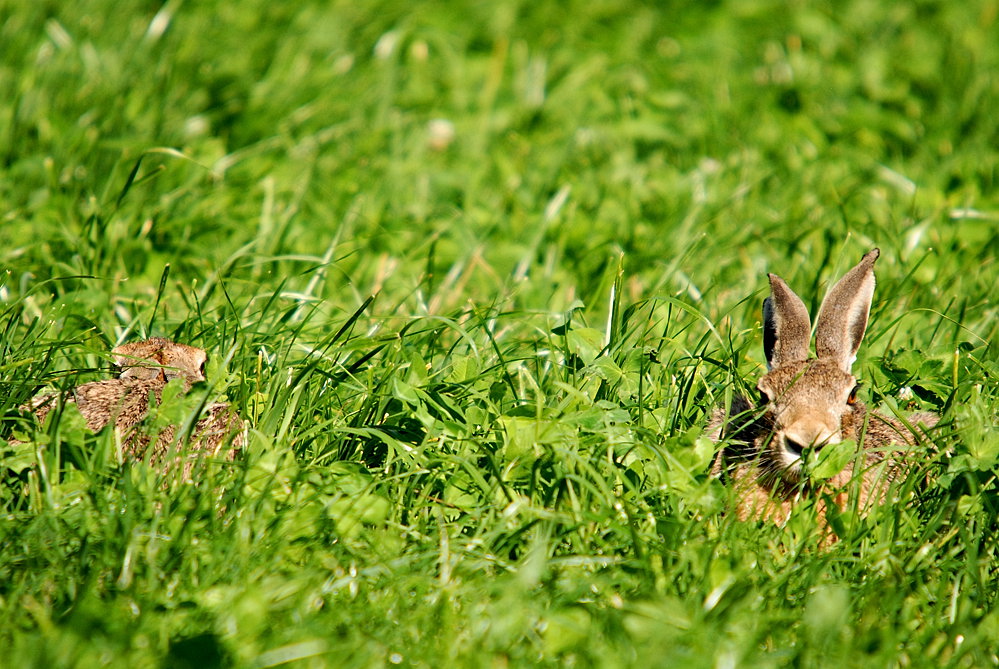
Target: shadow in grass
x,y
203,651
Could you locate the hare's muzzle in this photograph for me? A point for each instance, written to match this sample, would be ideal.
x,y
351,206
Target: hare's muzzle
x,y
793,447
806,438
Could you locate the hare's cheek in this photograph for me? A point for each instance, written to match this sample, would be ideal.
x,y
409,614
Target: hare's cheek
x,y
851,423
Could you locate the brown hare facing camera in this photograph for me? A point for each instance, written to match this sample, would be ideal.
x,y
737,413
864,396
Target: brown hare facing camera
x,y
809,403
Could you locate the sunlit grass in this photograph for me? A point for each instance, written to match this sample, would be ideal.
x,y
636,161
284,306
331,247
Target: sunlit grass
x,y
477,367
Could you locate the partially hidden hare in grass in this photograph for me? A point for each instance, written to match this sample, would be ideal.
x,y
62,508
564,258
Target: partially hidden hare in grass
x,y
162,359
146,368
809,403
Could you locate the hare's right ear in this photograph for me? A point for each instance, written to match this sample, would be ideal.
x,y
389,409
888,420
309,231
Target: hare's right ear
x,y
786,326
843,315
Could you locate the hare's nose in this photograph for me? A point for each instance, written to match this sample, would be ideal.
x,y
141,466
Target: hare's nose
x,y
797,441
812,438
793,446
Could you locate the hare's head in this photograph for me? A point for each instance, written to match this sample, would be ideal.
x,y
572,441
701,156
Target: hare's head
x,y
808,400
160,359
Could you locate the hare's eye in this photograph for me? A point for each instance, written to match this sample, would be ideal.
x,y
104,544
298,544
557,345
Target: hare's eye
x,y
852,399
764,398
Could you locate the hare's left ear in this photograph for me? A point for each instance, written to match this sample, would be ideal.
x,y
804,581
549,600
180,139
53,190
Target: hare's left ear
x,y
843,315
786,326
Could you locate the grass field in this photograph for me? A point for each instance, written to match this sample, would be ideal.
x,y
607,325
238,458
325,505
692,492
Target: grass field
x,y
476,274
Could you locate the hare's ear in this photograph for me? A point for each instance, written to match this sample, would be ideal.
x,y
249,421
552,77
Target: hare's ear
x,y
843,314
786,327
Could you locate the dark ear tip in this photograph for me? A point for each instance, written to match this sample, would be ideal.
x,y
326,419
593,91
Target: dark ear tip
x,y
873,254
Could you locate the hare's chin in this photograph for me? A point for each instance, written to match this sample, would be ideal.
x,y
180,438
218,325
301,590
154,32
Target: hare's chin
x,y
791,462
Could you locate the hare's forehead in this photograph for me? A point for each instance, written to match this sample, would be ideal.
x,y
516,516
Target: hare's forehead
x,y
184,352
813,375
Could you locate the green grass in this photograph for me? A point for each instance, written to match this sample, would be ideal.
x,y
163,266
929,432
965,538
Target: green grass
x,y
477,376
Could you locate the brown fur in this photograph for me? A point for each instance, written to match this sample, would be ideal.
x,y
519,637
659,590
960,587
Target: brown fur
x,y
807,404
147,367
767,490
160,358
